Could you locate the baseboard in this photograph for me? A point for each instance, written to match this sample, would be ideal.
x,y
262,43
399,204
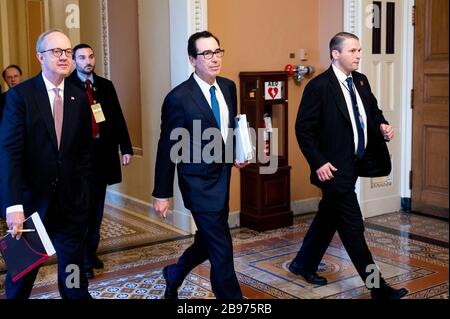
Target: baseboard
x,y
234,219
373,208
175,218
183,219
120,200
405,204
305,206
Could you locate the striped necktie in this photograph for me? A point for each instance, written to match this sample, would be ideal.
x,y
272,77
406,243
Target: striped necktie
x,y
358,119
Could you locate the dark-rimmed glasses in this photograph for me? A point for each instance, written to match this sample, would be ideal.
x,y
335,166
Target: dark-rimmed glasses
x,y
57,52
208,55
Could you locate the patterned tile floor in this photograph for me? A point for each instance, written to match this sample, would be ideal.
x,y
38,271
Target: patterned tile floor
x,y
414,225
405,254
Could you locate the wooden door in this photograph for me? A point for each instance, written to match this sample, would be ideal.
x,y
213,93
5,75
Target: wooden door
x,y
430,109
382,47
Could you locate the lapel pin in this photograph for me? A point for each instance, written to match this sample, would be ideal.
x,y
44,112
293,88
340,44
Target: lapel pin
x,y
361,82
72,98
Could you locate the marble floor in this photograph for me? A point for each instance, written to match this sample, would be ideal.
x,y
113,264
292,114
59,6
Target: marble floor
x,y
411,251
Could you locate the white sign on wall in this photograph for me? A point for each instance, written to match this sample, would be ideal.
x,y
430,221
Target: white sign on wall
x,y
273,90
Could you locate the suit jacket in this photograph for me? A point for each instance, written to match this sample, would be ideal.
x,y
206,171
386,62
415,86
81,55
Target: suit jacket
x,y
2,104
204,186
113,132
325,134
33,170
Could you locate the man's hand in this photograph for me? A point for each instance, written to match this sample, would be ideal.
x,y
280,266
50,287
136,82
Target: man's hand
x,y
15,223
241,165
387,131
325,173
161,206
126,159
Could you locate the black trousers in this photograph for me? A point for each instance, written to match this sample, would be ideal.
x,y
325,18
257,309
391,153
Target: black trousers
x,y
337,212
98,192
212,241
94,223
68,240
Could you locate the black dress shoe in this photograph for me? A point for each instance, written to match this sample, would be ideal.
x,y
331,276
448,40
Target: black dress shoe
x,y
97,263
386,292
171,291
312,278
89,272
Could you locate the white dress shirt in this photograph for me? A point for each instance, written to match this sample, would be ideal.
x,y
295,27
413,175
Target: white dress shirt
x,y
83,77
224,115
345,90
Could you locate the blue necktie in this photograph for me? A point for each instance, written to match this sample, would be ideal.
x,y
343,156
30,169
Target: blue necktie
x,y
215,105
358,119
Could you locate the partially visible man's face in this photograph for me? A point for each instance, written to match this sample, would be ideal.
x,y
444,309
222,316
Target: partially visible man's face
x,y
52,66
12,77
85,61
348,59
207,70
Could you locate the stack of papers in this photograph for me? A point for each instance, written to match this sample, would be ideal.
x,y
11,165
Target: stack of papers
x,y
245,150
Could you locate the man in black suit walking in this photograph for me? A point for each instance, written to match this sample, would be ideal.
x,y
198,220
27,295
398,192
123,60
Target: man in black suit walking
x,y
109,135
45,163
342,132
205,103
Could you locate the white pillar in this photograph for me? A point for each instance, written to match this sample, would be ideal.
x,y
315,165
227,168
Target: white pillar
x,y
186,18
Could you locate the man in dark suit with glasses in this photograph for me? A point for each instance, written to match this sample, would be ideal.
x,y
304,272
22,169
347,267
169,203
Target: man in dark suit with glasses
x,y
208,102
45,163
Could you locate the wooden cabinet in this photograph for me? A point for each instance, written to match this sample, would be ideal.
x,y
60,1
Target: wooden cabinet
x,y
265,184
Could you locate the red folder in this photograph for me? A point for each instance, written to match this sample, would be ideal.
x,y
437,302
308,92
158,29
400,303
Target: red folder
x,y
31,250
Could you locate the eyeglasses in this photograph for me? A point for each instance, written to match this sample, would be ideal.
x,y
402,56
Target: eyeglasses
x,y
57,52
208,55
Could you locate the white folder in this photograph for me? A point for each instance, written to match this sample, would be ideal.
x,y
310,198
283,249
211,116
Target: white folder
x,y
244,147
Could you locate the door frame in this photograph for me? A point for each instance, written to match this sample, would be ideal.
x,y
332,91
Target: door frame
x,y
353,20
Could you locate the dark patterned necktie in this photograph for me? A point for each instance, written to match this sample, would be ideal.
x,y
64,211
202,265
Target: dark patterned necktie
x,y
358,119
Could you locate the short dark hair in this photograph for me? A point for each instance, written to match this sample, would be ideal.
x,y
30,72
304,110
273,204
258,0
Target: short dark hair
x,y
12,66
192,46
81,46
336,41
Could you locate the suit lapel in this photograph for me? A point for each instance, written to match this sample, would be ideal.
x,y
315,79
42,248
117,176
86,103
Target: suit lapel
x,y
361,88
226,94
43,103
337,94
201,101
69,115
96,86
73,77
